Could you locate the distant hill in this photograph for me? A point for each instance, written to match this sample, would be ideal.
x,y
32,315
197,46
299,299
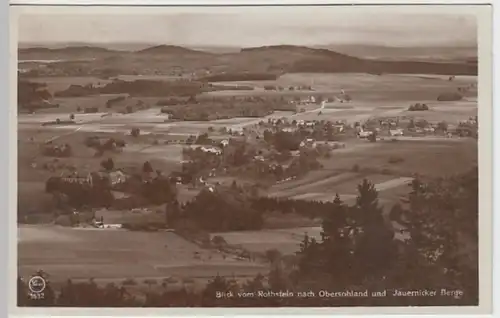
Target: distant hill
x,y
169,49
319,60
72,52
423,53
274,60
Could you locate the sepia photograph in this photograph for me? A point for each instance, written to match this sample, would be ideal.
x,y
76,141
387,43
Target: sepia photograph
x,y
289,156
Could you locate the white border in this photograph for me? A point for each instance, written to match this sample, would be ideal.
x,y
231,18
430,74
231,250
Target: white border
x,y
237,2
485,115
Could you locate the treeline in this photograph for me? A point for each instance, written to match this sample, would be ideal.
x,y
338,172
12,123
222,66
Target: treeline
x,y
95,190
235,77
33,95
215,211
223,109
136,88
350,65
357,251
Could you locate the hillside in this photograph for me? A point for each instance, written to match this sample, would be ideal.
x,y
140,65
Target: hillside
x,y
169,49
166,59
391,53
66,53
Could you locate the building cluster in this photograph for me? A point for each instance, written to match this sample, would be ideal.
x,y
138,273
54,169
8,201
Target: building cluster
x,y
114,178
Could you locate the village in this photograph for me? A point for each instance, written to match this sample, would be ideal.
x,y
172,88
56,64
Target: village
x,y
262,154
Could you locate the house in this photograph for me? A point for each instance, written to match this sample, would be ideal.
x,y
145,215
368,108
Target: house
x,y
338,128
118,195
289,129
213,150
117,177
396,132
363,133
75,178
89,110
309,143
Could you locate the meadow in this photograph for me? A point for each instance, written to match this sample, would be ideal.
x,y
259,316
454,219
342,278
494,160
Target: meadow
x,y
119,254
115,255
384,88
287,241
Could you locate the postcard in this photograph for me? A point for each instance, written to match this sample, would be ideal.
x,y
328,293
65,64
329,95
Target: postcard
x,y
202,159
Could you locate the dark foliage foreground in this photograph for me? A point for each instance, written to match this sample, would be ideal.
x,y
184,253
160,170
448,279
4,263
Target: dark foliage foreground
x,y
358,262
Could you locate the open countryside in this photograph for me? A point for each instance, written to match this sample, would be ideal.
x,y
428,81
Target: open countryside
x,y
228,168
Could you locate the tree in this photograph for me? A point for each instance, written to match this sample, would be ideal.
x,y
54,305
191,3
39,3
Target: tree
x,y
357,246
147,167
172,213
52,184
278,279
203,139
223,210
72,117
108,164
441,219
375,248
268,135
443,126
22,293
372,137
219,240
217,285
334,219
411,124
135,132
273,255
161,190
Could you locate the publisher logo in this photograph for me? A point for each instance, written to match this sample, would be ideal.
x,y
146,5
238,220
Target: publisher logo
x,y
36,284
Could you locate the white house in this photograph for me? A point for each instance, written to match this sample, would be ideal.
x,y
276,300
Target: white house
x,y
309,142
396,132
365,134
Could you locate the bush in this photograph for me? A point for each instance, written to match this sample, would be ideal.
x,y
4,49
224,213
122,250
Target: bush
x,y
418,107
63,220
112,101
355,168
129,282
150,281
449,97
219,240
395,159
170,280
135,132
386,171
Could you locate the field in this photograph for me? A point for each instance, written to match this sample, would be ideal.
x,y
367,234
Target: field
x,y
426,158
385,88
118,254
55,84
286,241
114,255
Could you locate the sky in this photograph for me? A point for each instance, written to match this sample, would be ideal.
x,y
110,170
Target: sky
x,y
257,26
